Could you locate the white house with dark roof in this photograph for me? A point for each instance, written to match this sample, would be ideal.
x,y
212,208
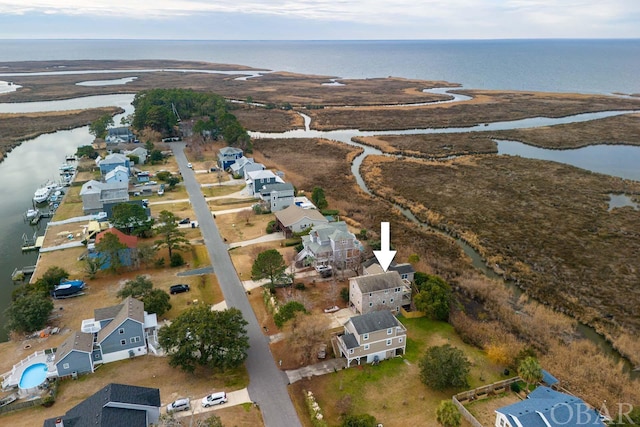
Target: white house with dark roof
x,y
116,405
119,135
295,219
330,244
277,197
372,337
381,291
545,407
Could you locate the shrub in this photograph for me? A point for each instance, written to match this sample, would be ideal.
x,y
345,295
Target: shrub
x,y
515,387
176,260
288,312
159,263
300,286
344,294
271,227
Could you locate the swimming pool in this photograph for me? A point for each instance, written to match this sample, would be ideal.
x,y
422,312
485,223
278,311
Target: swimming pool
x,y
33,376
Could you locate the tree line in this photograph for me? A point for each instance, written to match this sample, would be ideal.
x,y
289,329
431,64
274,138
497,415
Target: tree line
x,y
162,110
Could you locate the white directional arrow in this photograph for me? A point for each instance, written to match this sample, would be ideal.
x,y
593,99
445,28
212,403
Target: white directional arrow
x,y
384,255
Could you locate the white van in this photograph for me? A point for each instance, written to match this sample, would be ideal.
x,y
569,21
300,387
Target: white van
x,y
214,399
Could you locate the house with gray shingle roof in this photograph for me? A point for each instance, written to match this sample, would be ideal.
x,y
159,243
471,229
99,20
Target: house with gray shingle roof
x,y
245,164
382,291
74,355
111,161
330,244
276,197
116,405
95,194
295,219
545,407
372,337
405,270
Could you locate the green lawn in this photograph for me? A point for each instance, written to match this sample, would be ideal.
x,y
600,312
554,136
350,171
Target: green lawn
x,y
392,391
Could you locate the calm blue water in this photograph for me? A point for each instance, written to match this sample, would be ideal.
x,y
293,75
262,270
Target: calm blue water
x,y
33,376
588,66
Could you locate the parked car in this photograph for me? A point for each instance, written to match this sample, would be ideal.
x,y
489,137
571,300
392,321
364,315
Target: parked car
x,y
214,399
189,165
184,221
324,270
178,289
179,405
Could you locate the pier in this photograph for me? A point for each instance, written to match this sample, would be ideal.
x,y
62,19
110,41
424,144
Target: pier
x,y
35,218
33,243
19,274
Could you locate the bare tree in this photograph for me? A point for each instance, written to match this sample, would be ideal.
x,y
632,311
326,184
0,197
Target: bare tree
x,y
307,333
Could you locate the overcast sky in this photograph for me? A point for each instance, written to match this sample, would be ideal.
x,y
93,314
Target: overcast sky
x,y
319,19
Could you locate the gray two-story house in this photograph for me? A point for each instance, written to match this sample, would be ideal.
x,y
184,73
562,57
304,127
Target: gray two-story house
x,y
276,197
256,180
382,291
228,156
96,194
372,337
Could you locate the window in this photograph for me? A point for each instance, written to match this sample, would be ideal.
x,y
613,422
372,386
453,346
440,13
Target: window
x,y
405,276
370,294
389,331
386,291
384,301
134,339
350,351
397,290
370,304
366,346
391,301
389,342
365,336
400,340
65,366
123,342
501,422
121,331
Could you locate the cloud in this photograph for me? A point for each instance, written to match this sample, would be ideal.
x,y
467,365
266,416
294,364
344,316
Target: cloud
x,y
382,18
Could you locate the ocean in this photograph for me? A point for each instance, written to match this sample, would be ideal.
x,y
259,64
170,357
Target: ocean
x,y
582,66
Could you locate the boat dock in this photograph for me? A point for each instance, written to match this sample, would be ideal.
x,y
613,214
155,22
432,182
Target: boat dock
x,y
31,244
19,274
33,216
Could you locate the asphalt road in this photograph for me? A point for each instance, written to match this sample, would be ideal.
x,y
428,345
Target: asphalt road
x,y
267,384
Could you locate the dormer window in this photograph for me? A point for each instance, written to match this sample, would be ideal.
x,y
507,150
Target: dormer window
x,y
365,337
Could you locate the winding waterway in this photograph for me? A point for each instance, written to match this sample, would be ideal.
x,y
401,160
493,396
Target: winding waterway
x,y
43,154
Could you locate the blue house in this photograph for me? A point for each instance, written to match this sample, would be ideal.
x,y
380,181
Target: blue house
x,y
112,160
117,174
74,355
116,405
121,333
545,407
228,156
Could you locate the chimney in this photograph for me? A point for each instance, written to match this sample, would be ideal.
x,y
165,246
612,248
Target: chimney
x,y
59,422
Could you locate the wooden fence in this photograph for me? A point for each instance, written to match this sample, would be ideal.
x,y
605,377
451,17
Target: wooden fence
x,y
478,393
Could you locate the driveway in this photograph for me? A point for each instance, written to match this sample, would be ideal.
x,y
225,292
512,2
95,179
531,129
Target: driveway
x,y
267,384
235,398
322,368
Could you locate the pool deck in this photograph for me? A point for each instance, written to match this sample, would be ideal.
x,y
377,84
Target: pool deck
x,y
11,379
